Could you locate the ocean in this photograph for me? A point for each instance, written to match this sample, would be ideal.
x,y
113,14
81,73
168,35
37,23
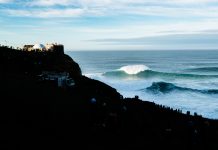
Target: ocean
x,y
186,80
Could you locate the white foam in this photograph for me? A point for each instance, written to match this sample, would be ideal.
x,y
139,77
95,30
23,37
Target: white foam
x,y
134,69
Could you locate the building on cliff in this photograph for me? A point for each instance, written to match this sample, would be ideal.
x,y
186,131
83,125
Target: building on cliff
x,y
61,79
53,47
39,47
36,47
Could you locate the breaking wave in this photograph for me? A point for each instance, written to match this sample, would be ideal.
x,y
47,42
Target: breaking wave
x,y
142,71
204,69
165,87
133,69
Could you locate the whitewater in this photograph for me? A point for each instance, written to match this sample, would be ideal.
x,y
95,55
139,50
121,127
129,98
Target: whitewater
x,y
133,69
186,80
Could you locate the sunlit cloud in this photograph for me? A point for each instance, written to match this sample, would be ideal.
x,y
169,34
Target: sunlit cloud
x,y
116,2
115,7
49,2
46,13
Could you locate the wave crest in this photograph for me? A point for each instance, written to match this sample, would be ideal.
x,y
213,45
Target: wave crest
x,y
165,87
204,69
146,74
133,69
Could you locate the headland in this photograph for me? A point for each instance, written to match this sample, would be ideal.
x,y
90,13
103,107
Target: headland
x,y
46,102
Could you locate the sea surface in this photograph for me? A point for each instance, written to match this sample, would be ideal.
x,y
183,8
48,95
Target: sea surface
x,y
186,80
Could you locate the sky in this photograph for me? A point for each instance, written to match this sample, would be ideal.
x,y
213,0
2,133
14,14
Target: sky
x,y
111,24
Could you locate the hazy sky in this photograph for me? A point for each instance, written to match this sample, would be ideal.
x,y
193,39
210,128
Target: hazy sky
x,y
111,24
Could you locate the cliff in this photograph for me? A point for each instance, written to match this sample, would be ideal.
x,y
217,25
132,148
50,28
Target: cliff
x,y
36,62
37,113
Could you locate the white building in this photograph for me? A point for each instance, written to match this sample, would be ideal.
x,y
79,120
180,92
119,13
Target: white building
x,y
50,47
62,79
39,47
53,47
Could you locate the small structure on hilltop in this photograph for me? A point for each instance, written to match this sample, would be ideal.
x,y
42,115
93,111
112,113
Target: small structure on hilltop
x,y
36,47
62,79
39,47
53,47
